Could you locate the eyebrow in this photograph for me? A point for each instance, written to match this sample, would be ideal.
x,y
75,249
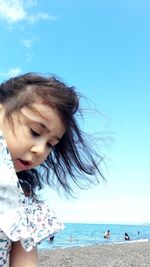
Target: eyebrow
x,y
45,127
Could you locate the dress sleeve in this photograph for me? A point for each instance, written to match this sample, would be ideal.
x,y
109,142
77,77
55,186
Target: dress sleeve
x,y
9,185
22,218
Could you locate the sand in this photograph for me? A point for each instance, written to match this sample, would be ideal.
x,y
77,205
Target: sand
x,y
116,255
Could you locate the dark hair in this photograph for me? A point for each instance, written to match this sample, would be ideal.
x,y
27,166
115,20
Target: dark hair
x,y
73,157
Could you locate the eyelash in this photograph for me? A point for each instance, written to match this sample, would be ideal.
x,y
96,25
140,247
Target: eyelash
x,y
35,134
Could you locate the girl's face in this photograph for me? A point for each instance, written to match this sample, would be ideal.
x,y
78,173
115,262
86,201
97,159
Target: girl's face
x,y
35,133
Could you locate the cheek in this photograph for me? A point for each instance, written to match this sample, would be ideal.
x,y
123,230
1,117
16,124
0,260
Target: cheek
x,y
47,154
14,149
44,157
11,143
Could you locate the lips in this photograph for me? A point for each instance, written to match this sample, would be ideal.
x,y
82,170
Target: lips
x,y
26,163
21,164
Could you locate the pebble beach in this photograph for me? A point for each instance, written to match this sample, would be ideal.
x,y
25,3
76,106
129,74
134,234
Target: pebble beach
x,y
116,255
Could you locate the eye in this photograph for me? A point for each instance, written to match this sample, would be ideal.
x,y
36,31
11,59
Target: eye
x,y
33,133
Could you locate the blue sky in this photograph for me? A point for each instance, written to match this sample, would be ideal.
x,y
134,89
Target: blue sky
x,y
101,47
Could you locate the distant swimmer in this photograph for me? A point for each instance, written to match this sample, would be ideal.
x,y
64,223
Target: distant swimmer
x,y
126,236
51,238
107,234
70,238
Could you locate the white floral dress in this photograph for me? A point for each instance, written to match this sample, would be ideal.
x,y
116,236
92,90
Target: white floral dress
x,y
21,218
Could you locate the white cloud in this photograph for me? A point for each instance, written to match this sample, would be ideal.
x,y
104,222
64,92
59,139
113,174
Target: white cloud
x,y
14,11
40,16
28,43
11,73
30,3
29,56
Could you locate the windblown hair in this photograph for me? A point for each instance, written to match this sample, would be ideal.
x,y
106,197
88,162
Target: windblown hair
x,y
73,157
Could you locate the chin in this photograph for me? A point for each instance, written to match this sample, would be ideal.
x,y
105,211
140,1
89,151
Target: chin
x,y
18,171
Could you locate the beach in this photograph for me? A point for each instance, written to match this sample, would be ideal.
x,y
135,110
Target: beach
x,y
113,255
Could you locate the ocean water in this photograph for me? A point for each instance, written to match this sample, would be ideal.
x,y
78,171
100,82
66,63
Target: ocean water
x,y
76,234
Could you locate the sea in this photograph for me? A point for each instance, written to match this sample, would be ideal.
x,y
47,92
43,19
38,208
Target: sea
x,y
80,235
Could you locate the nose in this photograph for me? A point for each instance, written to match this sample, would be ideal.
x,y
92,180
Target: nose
x,y
39,149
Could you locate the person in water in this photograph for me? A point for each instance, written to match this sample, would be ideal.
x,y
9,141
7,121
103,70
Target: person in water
x,y
126,236
107,234
51,238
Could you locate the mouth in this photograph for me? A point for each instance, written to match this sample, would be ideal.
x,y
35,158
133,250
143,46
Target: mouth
x,y
24,162
21,164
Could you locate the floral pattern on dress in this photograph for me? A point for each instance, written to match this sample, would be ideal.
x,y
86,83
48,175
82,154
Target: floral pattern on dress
x,y
21,218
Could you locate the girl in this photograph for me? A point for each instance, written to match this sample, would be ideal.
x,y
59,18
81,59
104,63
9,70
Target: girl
x,y
39,136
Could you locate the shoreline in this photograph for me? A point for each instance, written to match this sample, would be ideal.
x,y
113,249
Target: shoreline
x,y
135,254
72,246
